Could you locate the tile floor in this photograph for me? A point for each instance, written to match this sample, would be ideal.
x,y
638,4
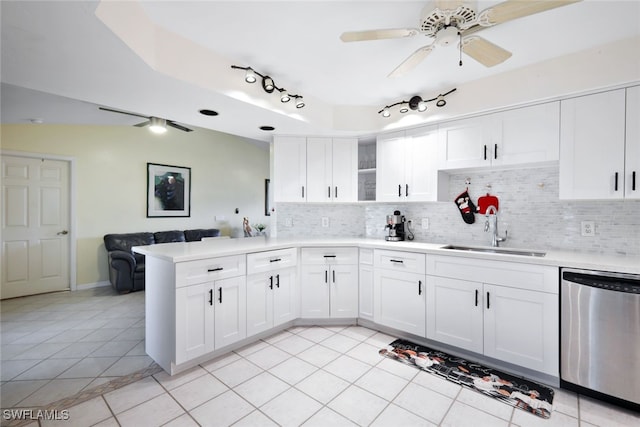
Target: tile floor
x,y
58,345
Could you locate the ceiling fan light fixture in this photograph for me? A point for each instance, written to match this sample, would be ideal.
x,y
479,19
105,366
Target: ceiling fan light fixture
x,y
157,125
250,76
267,84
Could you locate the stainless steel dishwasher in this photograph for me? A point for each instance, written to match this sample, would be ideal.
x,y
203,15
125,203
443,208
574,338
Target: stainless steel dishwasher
x,y
600,335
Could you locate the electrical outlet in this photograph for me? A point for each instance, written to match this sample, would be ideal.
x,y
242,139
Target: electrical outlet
x,y
425,223
588,228
288,222
325,221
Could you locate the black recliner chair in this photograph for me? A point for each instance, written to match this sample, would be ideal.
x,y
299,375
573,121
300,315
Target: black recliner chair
x,y
126,269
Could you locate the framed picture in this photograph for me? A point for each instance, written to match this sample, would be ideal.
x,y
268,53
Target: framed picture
x,y
168,191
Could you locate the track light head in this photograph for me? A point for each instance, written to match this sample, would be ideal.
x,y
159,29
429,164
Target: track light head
x,y
440,101
250,76
386,112
299,102
414,102
157,125
404,109
267,84
284,96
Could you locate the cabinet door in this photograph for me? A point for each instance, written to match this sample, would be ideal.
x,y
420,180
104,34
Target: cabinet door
x,y
465,143
421,151
632,151
285,297
290,169
521,327
345,170
400,300
344,291
527,135
454,312
365,280
259,303
314,291
319,169
194,321
390,157
230,299
592,132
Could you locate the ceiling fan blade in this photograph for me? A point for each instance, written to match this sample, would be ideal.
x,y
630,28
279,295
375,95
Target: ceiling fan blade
x,y
177,126
485,52
393,33
122,112
412,61
513,9
143,124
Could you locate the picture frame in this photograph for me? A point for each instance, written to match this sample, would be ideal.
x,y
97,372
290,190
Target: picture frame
x,y
168,191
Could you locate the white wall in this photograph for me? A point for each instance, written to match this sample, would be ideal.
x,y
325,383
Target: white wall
x,y
227,172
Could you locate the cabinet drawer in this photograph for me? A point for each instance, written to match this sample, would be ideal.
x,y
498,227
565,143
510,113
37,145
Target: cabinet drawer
x,y
409,262
193,272
330,256
512,274
261,262
366,256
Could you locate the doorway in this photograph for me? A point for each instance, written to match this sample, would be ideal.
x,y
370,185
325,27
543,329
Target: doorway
x,y
36,225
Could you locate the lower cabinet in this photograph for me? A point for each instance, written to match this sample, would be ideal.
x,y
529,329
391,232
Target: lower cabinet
x,y
365,280
400,290
514,319
329,283
209,315
271,299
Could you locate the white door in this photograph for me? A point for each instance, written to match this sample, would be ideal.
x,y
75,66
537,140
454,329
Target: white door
x,y
345,170
35,226
344,291
319,170
259,303
465,143
194,321
632,150
390,174
290,169
230,299
284,296
421,151
314,291
400,300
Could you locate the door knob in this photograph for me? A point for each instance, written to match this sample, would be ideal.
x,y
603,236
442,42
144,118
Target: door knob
x,y
62,233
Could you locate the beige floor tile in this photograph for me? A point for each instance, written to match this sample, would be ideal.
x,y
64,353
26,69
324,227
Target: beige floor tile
x,y
395,415
293,370
293,344
291,408
423,402
605,414
133,394
340,343
347,368
154,412
128,365
89,367
255,419
223,410
237,372
55,390
557,419
47,369
460,414
85,414
268,357
261,388
322,386
327,417
13,392
358,405
172,381
316,334
183,420
319,355
365,353
198,391
382,383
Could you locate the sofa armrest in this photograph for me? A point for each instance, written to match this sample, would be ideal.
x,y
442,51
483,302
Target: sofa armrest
x,y
122,261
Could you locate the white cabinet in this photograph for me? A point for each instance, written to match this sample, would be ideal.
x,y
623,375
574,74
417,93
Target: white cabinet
x,y
194,322
594,138
271,289
332,166
528,135
406,165
290,169
399,290
365,279
230,310
508,311
329,283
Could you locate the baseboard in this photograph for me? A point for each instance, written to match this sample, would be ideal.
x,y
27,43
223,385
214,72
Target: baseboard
x,y
92,285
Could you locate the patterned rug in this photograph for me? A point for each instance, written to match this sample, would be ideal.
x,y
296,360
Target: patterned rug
x,y
518,392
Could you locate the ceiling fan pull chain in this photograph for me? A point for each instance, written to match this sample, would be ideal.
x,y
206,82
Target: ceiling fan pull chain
x,y
460,34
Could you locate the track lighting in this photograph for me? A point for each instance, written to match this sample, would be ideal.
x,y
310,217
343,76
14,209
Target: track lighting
x,y
157,125
416,103
269,85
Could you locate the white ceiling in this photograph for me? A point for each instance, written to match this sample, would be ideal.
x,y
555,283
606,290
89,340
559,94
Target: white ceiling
x,y
60,60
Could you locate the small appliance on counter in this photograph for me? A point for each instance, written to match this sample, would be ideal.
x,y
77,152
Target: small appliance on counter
x,y
395,226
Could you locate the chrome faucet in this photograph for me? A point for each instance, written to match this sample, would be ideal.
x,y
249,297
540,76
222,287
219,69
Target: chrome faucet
x,y
491,225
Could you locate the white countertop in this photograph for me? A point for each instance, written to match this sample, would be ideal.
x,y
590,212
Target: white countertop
x,y
190,251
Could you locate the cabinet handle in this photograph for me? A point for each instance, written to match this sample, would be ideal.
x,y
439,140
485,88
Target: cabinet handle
x,y
335,193
303,191
275,260
477,297
329,192
329,256
210,296
406,190
270,282
397,261
419,287
211,270
488,304
485,151
399,190
220,295
495,151
333,272
278,280
616,182
326,276
633,181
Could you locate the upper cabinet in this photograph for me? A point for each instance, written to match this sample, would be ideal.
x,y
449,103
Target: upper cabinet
x,y
406,165
290,169
332,165
315,169
600,145
515,137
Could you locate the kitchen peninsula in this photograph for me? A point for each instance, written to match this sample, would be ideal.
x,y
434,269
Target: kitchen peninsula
x,y
204,299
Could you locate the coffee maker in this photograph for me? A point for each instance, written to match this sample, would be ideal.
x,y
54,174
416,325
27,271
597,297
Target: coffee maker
x,y
395,226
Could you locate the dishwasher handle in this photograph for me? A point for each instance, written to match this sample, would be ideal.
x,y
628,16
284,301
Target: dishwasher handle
x,y
609,283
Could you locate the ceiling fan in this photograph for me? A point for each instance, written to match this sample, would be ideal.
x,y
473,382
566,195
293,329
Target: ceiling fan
x,y
156,124
451,21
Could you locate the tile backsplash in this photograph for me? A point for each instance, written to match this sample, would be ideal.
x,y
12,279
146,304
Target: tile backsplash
x,y
530,212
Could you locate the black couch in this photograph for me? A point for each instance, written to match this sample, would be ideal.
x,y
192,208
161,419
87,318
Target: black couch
x,y
126,269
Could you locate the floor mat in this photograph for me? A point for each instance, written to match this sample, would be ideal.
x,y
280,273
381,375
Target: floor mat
x,y
518,392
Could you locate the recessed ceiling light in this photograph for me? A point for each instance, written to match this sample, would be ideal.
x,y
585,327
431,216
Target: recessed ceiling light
x,y
267,128
208,112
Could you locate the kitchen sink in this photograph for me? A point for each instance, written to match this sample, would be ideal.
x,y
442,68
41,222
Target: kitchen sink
x,y
495,250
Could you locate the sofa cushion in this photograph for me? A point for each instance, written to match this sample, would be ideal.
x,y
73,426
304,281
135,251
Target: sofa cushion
x,y
198,234
169,236
125,241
